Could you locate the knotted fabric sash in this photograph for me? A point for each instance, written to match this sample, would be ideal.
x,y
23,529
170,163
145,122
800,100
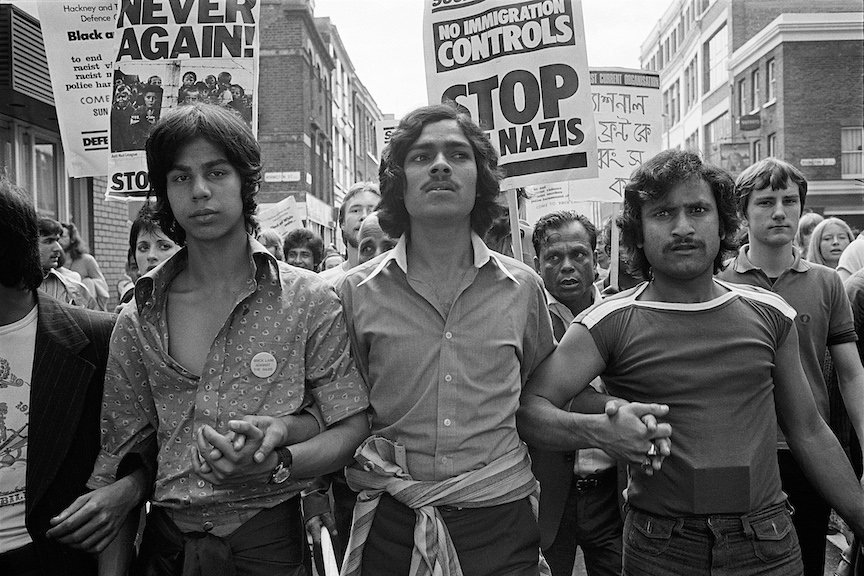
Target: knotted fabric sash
x,y
380,466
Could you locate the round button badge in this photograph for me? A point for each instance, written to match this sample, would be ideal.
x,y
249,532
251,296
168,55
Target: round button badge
x,y
263,364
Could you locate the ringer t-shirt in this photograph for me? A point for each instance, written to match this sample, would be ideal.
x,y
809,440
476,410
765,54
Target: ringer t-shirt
x,y
712,363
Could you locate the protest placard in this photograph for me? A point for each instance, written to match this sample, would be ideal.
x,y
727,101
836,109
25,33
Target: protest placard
x,y
520,69
383,130
628,118
173,53
79,47
283,216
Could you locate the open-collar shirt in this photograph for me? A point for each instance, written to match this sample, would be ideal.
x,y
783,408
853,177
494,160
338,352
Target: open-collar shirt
x,y
282,350
445,383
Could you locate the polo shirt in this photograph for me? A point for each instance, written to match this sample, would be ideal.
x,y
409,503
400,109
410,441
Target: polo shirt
x,y
824,316
445,384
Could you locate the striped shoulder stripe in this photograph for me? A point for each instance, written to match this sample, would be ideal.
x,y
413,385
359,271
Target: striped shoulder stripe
x,y
760,295
608,306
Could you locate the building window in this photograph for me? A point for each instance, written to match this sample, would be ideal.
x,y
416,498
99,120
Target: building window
x,y
715,53
691,81
771,73
772,145
717,133
852,157
39,169
692,142
757,151
755,93
742,97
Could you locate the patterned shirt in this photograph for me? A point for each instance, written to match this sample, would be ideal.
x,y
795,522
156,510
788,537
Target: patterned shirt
x,y
445,384
282,349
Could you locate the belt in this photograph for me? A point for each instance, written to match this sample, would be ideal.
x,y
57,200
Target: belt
x,y
594,481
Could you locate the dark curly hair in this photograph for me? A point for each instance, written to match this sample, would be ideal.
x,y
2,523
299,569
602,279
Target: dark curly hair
x,y
221,128
392,214
19,239
771,172
305,238
653,180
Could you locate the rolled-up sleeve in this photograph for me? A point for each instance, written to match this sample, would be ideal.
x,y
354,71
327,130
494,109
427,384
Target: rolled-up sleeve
x,y
128,411
331,374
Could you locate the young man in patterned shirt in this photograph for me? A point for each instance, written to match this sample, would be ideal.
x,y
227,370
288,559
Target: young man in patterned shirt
x,y
225,355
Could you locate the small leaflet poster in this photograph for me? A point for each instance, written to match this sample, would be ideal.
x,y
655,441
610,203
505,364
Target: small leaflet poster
x,y
168,54
521,70
629,128
79,45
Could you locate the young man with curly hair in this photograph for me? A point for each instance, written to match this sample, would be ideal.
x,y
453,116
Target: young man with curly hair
x,y
445,332
724,358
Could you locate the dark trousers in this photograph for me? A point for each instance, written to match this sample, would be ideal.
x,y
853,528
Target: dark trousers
x,y
271,543
810,516
495,541
591,520
20,562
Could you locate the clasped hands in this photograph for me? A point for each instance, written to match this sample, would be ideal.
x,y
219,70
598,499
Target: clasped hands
x,y
245,453
637,437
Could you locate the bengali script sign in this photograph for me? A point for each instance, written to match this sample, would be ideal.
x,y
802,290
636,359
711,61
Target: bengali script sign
x,y
627,114
175,52
520,69
79,43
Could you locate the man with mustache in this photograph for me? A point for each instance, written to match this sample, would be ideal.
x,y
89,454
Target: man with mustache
x,y
578,490
770,197
446,332
724,357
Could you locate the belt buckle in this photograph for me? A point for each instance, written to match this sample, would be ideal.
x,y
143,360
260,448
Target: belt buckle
x,y
585,484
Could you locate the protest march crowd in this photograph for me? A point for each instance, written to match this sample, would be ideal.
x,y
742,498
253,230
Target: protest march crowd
x,y
426,403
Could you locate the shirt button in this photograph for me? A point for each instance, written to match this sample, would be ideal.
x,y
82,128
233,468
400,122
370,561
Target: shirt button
x,y
447,422
200,483
207,526
448,378
448,335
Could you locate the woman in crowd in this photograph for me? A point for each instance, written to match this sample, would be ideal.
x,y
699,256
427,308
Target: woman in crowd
x,y
827,242
270,239
148,247
806,224
78,259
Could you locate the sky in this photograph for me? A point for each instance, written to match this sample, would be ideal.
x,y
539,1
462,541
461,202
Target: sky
x,y
384,41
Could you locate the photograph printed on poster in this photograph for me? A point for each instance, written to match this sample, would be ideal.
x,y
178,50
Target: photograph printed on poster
x,y
142,91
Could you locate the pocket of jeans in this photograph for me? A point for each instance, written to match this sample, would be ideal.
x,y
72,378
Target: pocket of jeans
x,y
647,534
773,537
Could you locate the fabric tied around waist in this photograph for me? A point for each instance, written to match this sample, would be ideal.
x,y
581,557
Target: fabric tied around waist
x,y
381,466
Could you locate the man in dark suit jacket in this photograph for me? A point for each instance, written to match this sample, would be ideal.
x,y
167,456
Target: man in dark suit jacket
x,y
52,366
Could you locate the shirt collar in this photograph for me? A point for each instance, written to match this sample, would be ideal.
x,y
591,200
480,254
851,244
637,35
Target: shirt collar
x,y
399,254
153,285
551,301
743,264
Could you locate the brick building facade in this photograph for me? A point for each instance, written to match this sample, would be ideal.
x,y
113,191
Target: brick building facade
x,y
745,79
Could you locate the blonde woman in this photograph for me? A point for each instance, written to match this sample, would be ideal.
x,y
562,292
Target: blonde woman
x,y
829,239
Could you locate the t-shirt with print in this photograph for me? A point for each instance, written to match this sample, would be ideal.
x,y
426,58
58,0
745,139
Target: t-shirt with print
x,y
17,346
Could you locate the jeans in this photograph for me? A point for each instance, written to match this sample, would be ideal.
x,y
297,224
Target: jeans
x,y
591,520
761,543
811,513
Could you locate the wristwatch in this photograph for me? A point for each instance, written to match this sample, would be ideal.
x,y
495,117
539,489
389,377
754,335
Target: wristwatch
x,y
283,468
